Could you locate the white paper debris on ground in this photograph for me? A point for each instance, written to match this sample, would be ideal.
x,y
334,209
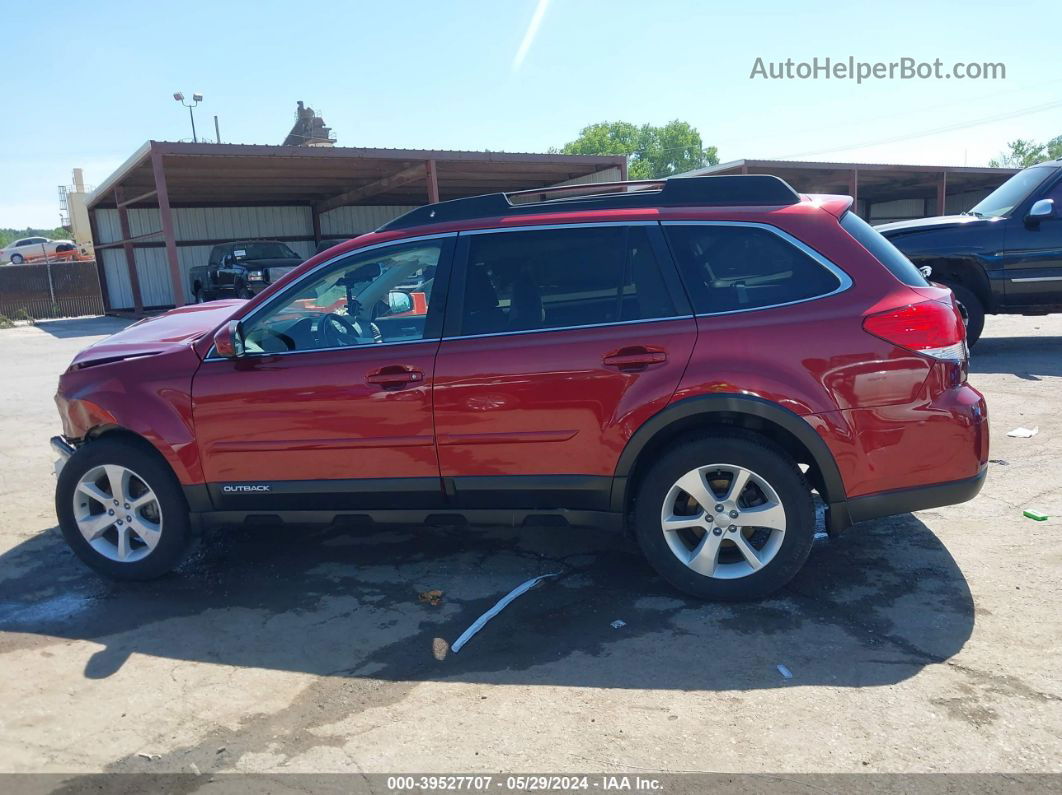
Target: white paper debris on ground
x,y
619,623
1024,433
785,672
504,602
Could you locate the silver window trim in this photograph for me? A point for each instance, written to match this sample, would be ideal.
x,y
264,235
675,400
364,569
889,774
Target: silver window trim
x,y
845,281
211,354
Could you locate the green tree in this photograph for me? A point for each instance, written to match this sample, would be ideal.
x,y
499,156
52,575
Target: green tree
x,y
1023,153
7,234
652,152
1054,148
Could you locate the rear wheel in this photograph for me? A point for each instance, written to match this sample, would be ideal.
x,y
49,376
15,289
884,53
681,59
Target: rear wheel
x,y
973,312
121,510
17,259
725,517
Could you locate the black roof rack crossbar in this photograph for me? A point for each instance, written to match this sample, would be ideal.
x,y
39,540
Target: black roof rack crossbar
x,y
748,190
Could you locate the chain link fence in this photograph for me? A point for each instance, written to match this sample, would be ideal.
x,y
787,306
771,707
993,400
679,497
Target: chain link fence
x,y
58,289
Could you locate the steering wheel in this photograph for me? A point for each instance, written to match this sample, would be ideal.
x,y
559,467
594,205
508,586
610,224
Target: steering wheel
x,y
336,331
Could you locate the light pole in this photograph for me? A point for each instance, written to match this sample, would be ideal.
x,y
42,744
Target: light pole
x,y
196,99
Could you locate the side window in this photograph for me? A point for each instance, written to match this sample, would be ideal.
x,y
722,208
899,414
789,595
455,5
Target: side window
x,y
18,243
1055,192
377,296
215,256
735,268
558,278
884,251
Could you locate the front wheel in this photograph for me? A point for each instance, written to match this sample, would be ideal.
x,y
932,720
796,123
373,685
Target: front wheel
x,y
725,517
121,510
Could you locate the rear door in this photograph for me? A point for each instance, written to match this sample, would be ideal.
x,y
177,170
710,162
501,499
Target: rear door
x,y
559,343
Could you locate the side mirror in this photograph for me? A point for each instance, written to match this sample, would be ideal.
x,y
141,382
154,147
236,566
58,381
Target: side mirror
x,y
399,302
228,341
1044,208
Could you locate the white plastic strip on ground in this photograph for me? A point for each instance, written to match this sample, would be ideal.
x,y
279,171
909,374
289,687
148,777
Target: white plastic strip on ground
x,y
504,602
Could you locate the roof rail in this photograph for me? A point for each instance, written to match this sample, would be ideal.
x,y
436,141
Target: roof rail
x,y
759,190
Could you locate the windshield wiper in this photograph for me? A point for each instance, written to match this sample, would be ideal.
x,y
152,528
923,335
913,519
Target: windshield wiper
x,y
974,213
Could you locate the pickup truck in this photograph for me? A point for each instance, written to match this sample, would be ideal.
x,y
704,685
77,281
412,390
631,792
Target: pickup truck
x,y
241,269
1002,256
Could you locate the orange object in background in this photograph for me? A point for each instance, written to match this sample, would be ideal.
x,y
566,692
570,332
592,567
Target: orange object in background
x,y
420,306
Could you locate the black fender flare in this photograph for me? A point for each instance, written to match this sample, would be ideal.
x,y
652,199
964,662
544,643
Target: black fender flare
x,y
708,405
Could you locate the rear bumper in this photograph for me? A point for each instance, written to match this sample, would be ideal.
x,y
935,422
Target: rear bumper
x,y
889,503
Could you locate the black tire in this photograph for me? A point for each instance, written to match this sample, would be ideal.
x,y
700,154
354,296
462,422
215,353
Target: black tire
x,y
17,259
197,295
973,312
152,469
739,449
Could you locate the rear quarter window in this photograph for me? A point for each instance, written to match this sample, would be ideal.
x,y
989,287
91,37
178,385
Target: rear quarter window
x,y
733,268
884,251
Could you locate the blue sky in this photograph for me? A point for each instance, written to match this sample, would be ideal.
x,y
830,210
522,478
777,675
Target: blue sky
x,y
443,75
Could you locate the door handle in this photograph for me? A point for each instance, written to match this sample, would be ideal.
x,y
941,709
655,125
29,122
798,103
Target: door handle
x,y
395,376
634,358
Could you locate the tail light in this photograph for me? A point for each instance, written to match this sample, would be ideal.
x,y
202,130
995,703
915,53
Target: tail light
x,y
932,328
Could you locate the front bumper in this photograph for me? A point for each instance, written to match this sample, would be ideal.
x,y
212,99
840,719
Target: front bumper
x,y
64,450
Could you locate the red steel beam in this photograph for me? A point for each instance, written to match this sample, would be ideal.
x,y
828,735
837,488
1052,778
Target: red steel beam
x,y
166,217
315,217
433,181
130,255
135,199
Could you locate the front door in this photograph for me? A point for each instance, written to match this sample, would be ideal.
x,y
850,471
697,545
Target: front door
x,y
1033,253
329,409
559,343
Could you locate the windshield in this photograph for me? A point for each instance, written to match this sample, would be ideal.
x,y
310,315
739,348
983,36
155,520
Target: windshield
x,y
267,250
1010,194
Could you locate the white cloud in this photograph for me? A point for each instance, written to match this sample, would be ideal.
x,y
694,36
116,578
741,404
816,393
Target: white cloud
x,y
529,35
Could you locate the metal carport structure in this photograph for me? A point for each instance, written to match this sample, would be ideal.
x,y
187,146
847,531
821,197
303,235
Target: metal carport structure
x,y
168,204
882,192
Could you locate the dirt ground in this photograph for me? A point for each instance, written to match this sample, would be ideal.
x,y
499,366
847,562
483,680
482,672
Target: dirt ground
x,y
921,643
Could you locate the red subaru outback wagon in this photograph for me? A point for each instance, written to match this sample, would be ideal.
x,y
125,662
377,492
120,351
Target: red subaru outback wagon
x,y
693,359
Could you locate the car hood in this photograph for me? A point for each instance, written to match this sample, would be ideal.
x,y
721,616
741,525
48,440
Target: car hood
x,y
936,222
174,329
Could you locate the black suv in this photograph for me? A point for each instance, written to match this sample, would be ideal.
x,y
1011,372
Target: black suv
x,y
1003,256
241,269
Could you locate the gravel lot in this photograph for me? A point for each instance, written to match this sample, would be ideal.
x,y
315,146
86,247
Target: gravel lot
x,y
921,643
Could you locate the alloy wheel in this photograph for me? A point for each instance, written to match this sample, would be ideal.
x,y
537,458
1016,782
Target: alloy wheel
x,y
118,513
723,521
